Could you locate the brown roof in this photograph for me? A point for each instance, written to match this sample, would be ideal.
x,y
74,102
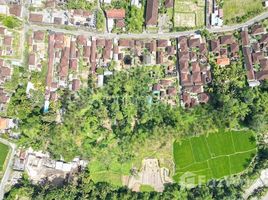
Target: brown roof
x,y
31,59
203,48
184,66
234,47
116,13
39,35
159,57
86,51
125,43
120,23
186,98
227,39
7,40
73,64
245,38
15,9
2,30
223,52
195,67
81,40
215,46
186,79
59,37
264,38
34,17
162,43
197,78
5,71
170,50
184,56
73,49
257,29
194,42
171,91
76,85
156,87
93,51
169,3
264,64
250,74
151,12
247,58
256,46
100,42
262,75
257,56
197,89
203,97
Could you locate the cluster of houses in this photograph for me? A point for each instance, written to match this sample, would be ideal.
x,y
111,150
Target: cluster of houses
x,y
11,7
194,70
53,14
225,49
37,50
255,52
7,42
41,168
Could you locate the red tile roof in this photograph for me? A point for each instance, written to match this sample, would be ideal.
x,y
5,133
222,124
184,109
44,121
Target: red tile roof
x,y
35,17
116,13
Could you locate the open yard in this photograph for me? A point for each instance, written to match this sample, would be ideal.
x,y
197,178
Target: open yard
x,y
189,13
239,8
3,154
213,156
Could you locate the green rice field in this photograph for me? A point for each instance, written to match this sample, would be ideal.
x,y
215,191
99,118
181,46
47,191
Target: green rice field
x,y
213,156
3,154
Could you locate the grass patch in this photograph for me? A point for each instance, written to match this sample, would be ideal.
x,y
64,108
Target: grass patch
x,y
239,8
213,156
146,188
3,155
189,13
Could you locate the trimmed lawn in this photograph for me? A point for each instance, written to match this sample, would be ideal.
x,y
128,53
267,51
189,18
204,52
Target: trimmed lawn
x,y
238,8
3,155
213,156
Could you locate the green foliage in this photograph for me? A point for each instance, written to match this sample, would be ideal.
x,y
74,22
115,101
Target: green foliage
x,y
10,21
135,19
4,151
81,4
100,21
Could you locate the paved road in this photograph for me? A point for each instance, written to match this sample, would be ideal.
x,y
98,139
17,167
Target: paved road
x,y
8,167
145,35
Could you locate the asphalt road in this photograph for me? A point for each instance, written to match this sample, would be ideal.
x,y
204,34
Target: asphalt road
x,y
8,167
145,35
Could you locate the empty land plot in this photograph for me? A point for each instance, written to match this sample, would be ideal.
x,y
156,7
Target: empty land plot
x,y
3,155
189,13
239,8
214,156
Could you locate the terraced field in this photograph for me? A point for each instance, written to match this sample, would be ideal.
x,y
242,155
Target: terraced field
x,y
189,13
213,156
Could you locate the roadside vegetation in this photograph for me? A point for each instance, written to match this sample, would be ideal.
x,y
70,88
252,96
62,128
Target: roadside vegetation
x,y
3,155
